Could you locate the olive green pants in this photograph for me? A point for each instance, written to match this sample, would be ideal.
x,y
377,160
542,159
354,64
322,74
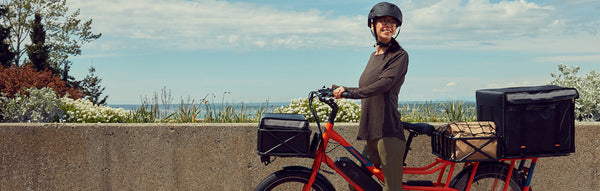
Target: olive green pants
x,y
388,154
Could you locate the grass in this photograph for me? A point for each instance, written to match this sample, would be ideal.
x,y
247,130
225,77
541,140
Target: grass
x,y
157,109
427,112
459,111
438,112
206,110
231,113
187,112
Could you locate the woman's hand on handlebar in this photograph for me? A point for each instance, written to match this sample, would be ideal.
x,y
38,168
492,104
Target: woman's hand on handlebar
x,y
337,93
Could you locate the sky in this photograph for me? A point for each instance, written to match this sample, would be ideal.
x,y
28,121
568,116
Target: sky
x,y
276,51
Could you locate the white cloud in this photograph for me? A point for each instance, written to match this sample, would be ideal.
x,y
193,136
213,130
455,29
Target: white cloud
x,y
447,24
260,43
207,24
477,20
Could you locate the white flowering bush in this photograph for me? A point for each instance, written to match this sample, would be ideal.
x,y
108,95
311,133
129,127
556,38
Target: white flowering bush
x,y
348,111
587,107
84,111
38,105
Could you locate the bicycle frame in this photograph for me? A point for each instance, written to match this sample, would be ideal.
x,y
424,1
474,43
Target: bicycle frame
x,y
330,134
439,165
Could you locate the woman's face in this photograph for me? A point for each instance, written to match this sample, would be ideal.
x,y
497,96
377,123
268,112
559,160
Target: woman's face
x,y
386,28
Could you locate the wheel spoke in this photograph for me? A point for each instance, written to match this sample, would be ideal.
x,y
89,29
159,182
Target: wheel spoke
x,y
488,177
494,184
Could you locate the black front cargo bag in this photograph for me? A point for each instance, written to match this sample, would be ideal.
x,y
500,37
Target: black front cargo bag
x,y
286,135
535,121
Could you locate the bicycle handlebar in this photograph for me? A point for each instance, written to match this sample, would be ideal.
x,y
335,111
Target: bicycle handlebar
x,y
328,93
325,95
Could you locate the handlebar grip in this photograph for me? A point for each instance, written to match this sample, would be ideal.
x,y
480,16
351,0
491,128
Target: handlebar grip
x,y
346,94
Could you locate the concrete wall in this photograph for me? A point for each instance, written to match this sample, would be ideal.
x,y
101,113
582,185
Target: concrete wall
x,y
206,157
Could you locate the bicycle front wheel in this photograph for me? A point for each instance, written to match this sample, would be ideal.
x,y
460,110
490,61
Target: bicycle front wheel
x,y
489,176
291,180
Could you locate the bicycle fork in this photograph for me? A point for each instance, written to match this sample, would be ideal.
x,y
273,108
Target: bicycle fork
x,y
318,159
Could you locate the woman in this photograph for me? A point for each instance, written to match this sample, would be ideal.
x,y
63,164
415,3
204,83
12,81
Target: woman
x,y
378,90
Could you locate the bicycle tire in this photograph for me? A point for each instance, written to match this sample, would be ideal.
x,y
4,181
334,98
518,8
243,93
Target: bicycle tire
x,y
291,180
489,176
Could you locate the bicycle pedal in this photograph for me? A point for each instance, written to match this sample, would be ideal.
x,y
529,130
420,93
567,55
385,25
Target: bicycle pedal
x,y
419,183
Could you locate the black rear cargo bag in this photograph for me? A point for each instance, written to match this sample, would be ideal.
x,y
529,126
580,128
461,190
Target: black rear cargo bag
x,y
535,121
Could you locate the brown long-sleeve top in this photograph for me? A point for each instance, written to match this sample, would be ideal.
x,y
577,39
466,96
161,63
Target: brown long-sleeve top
x,y
378,90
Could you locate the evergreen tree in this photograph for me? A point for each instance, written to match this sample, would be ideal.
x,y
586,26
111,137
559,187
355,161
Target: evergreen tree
x,y
92,89
6,56
38,51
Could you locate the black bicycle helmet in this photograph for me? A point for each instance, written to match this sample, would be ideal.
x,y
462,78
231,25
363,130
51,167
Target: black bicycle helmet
x,y
384,9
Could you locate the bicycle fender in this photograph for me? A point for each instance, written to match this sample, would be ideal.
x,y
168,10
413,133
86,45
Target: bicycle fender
x,y
467,171
308,171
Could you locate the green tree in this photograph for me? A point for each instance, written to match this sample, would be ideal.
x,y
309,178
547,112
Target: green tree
x,y
92,89
6,56
66,33
587,107
38,51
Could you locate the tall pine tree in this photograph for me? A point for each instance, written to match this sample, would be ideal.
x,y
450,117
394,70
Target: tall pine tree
x,y
6,56
38,51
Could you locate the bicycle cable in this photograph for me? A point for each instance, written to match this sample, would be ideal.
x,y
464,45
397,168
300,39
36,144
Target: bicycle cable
x,y
334,148
314,113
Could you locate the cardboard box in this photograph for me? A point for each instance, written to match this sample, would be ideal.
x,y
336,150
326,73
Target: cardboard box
x,y
466,142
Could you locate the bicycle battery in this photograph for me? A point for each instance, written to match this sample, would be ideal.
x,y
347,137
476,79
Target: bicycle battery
x,y
360,176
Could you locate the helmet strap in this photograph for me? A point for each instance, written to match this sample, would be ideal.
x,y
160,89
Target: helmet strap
x,y
381,44
377,41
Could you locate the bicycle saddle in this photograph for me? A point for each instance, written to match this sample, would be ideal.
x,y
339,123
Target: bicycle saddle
x,y
421,128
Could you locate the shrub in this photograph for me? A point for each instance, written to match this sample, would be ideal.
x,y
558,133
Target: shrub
x,y
35,105
14,79
587,107
348,111
84,111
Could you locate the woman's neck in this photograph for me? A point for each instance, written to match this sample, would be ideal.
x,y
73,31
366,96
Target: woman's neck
x,y
380,50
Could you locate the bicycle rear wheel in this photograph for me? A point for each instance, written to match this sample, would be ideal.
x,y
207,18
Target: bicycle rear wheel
x,y
291,180
489,176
